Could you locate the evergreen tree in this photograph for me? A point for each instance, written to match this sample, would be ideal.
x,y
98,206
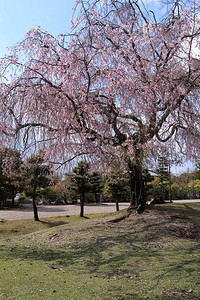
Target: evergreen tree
x,y
81,182
164,177
117,183
10,162
197,171
34,175
96,185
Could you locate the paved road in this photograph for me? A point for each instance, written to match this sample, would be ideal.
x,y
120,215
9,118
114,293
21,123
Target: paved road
x,y
64,210
57,210
187,201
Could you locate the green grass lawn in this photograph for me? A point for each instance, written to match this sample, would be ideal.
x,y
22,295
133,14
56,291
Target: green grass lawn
x,y
155,255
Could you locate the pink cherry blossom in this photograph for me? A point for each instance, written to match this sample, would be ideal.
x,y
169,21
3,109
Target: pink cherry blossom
x,y
122,84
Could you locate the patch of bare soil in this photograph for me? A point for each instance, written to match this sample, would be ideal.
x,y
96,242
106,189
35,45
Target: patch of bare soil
x,y
184,225
164,220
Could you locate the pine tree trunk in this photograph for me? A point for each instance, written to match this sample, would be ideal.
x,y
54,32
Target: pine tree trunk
x,y
13,197
117,205
82,200
35,211
96,198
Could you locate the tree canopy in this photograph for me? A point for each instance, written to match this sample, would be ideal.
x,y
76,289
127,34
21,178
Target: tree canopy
x,y
126,79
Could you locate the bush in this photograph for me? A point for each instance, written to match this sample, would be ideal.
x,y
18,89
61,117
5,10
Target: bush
x,y
23,199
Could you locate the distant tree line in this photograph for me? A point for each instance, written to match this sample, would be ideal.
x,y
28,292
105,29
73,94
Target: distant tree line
x,y
33,180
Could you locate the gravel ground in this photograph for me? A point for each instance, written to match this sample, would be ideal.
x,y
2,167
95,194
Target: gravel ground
x,y
57,210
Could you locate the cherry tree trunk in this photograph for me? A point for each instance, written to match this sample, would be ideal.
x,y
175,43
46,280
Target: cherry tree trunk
x,y
137,191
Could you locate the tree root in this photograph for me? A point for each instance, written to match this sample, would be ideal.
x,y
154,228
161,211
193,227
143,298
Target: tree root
x,y
137,210
122,217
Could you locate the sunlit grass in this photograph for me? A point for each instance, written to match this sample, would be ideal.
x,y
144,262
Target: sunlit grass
x,y
20,227
154,255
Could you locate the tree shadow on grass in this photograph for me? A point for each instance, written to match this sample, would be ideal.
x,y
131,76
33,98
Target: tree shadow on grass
x,y
186,268
180,221
115,250
109,258
53,223
182,210
110,251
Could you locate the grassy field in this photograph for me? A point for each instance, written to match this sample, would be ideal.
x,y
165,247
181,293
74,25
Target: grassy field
x,y
155,255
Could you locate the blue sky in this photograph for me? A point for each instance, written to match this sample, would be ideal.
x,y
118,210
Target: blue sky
x,y
18,16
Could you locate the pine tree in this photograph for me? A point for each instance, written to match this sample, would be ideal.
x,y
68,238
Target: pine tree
x,y
164,176
81,182
96,184
34,175
116,184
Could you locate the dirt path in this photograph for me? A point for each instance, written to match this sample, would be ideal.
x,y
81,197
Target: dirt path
x,y
58,210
